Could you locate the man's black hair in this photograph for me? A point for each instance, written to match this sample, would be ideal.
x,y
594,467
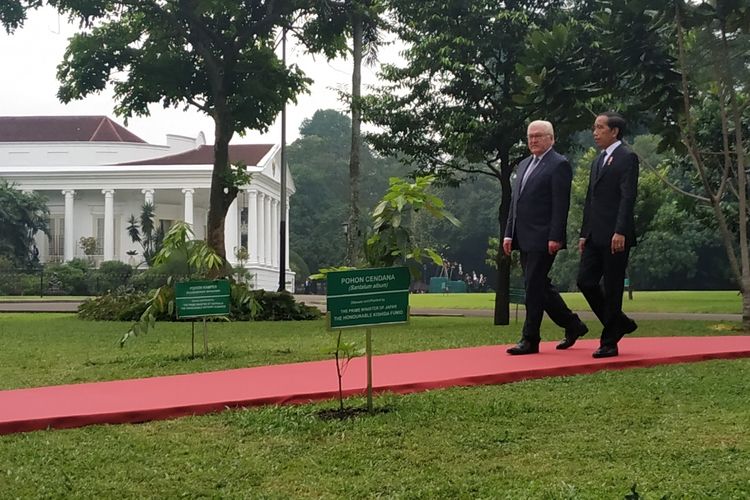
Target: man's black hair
x,y
615,120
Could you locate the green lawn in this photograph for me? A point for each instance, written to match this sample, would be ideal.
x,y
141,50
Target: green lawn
x,y
672,301
678,431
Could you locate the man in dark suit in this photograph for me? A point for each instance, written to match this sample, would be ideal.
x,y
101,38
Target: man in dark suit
x,y
608,231
536,226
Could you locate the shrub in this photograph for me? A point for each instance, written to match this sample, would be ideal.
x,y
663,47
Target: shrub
x,y
281,306
71,278
19,283
127,305
120,304
111,275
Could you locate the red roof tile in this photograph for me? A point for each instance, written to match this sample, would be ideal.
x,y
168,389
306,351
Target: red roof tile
x,y
63,129
250,154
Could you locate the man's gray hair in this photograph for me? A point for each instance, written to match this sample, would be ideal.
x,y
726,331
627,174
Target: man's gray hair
x,y
545,125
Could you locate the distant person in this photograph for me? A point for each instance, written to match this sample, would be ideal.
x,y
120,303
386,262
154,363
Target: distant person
x,y
608,232
537,227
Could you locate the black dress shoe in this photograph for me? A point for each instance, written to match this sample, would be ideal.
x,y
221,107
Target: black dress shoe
x,y
571,335
606,352
625,327
524,347
629,326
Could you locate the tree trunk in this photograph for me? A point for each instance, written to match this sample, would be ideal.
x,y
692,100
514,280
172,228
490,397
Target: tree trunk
x,y
222,191
353,233
502,299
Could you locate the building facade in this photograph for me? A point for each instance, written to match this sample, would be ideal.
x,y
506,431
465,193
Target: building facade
x,y
96,174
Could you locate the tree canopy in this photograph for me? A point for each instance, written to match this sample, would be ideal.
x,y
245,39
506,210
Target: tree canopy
x,y
218,57
13,12
451,110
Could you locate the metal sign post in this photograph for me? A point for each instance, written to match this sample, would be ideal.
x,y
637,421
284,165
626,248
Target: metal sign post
x,y
367,298
200,299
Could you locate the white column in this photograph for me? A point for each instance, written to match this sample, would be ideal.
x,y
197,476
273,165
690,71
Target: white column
x,y
148,196
69,245
286,237
109,224
274,232
230,232
189,206
267,230
252,225
260,243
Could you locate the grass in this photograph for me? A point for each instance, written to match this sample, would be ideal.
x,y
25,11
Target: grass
x,y
678,431
728,302
675,431
46,349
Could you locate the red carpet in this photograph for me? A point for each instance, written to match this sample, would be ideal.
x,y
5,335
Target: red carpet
x,y
156,398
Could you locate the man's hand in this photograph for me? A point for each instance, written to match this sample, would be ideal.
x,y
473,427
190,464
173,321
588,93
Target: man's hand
x,y
581,244
618,243
507,245
553,247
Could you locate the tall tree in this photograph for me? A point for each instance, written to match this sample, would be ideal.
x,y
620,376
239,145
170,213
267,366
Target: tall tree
x,y
451,110
319,207
723,29
22,215
217,57
684,66
361,22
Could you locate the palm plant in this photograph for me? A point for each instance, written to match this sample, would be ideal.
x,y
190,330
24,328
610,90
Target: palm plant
x,y
145,233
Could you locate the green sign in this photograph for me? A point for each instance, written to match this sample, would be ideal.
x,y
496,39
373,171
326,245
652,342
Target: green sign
x,y
366,297
196,299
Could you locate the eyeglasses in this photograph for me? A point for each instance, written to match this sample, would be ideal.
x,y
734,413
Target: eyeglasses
x,y
537,136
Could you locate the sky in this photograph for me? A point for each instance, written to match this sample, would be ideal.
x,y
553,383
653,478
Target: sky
x,y
28,85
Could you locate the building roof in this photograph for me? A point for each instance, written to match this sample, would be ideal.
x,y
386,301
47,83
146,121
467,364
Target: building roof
x,y
64,129
250,154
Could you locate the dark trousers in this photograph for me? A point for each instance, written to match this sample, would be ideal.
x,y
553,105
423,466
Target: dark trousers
x,y
542,296
601,279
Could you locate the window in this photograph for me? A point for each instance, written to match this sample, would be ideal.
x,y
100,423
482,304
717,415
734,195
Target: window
x,y
56,238
99,236
166,225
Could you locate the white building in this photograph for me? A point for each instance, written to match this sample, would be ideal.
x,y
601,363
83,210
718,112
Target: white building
x,y
95,174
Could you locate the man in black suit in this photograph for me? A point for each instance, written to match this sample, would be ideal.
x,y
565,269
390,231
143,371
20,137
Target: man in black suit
x,y
536,226
608,231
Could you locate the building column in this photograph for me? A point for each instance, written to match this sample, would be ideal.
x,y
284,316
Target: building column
x,y
188,192
260,243
230,232
286,237
148,196
69,247
274,232
267,230
252,225
109,224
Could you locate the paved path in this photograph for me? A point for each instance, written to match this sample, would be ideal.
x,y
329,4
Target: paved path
x,y
319,301
39,306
